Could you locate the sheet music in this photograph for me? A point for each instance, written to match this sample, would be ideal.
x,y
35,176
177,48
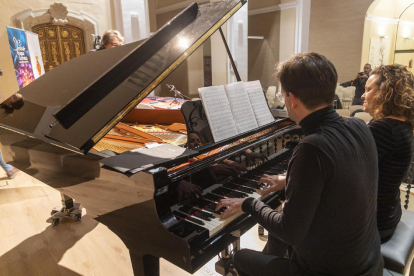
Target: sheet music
x,y
218,112
260,108
241,107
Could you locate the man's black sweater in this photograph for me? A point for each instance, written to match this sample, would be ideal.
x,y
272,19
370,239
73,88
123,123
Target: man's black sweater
x,y
329,217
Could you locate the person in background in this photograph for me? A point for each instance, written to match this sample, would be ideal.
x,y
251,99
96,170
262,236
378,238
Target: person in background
x,y
329,218
14,102
359,83
110,39
389,99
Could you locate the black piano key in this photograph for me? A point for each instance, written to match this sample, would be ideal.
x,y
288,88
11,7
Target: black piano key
x,y
229,193
179,215
212,197
256,173
238,188
183,216
250,176
200,215
195,212
252,185
221,210
201,203
240,181
206,214
196,220
212,209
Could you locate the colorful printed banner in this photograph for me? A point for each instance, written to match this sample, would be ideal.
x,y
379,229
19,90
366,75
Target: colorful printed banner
x,y
35,54
21,56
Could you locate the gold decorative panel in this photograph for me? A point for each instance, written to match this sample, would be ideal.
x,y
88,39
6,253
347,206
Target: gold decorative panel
x,y
59,43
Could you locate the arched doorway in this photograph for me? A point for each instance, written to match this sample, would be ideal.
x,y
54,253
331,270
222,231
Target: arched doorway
x,y
59,43
387,32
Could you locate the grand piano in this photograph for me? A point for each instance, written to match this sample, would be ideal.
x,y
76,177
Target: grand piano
x,y
75,113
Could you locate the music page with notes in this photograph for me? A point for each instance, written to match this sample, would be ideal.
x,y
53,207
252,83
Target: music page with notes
x,y
260,108
218,112
240,106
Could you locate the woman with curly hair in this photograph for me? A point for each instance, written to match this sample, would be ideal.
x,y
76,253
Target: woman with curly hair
x,y
389,99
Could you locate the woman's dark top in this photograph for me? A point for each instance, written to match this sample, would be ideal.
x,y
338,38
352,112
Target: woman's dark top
x,y
394,144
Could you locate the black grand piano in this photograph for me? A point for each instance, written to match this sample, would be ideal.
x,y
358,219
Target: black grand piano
x,y
76,106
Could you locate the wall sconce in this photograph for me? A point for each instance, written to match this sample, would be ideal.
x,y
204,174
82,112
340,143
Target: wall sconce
x,y
410,38
384,36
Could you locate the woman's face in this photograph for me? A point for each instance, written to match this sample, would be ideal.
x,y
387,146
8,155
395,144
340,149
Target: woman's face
x,y
13,98
113,42
193,141
371,89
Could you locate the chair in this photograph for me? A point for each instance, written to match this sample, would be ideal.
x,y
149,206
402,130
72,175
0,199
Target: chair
x,y
352,108
342,112
398,251
340,95
271,94
351,89
364,116
347,96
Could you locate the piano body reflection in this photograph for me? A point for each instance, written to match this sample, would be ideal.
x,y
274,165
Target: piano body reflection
x,y
82,112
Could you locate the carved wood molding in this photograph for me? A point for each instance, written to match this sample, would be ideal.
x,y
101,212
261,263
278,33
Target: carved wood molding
x,y
28,18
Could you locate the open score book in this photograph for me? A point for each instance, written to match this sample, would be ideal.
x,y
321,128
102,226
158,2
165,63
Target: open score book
x,y
235,108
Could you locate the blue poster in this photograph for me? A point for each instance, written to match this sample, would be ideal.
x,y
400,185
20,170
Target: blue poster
x,y
21,57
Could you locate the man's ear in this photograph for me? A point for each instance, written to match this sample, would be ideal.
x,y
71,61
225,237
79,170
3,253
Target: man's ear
x,y
294,100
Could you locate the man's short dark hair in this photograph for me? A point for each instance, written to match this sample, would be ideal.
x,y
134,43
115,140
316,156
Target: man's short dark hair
x,y
310,77
368,64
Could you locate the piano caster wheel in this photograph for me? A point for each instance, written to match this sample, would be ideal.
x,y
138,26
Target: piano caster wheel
x,y
55,222
75,213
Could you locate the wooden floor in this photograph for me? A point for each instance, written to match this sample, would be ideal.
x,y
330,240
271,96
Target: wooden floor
x,y
29,245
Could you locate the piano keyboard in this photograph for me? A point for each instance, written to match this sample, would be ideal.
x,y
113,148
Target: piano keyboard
x,y
202,212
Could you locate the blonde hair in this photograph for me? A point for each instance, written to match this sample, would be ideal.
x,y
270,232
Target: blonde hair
x,y
108,35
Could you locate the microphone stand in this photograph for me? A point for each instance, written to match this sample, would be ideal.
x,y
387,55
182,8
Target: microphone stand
x,y
177,93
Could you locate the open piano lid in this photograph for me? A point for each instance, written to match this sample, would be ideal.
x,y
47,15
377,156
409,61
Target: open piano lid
x,y
84,98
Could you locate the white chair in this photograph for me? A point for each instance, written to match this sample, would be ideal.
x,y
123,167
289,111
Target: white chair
x,y
364,116
271,94
352,108
352,90
347,94
347,97
342,112
340,95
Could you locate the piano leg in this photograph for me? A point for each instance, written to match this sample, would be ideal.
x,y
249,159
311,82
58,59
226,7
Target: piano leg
x,y
146,265
225,264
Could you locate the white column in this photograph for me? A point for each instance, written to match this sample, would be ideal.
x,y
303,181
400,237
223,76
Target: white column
x,y
288,39
131,19
237,40
219,57
302,25
294,23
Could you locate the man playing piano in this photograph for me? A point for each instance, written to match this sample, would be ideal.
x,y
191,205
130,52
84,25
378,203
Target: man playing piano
x,y
329,216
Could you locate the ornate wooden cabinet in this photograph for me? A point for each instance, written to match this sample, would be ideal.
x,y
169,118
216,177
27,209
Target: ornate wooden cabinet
x,y
59,43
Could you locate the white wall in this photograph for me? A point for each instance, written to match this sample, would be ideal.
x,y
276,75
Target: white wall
x,y
132,19
287,33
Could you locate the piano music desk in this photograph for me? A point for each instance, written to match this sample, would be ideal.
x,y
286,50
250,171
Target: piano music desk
x,y
29,245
